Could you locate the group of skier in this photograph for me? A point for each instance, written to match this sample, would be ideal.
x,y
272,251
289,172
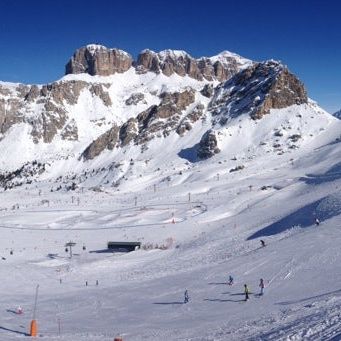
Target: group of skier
x,y
247,290
231,281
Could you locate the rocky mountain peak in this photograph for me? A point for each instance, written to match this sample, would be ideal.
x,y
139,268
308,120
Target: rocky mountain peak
x,y
85,118
98,60
257,89
168,62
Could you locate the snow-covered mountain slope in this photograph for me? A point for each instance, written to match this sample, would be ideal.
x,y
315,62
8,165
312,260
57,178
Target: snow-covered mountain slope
x,y
198,223
111,124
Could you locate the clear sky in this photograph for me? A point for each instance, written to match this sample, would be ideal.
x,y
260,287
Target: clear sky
x,y
37,37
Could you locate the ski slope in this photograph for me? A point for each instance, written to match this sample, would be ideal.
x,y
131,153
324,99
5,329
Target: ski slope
x,y
210,221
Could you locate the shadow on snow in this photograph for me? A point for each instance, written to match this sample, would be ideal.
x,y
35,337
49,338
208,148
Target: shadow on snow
x,y
168,303
14,331
222,300
310,298
190,154
334,173
323,209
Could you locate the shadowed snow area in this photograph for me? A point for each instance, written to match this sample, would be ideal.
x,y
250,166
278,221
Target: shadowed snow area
x,y
321,209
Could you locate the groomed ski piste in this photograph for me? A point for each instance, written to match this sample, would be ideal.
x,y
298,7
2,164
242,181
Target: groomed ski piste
x,y
196,229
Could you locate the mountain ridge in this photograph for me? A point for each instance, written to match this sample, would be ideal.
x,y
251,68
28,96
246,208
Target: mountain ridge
x,y
85,121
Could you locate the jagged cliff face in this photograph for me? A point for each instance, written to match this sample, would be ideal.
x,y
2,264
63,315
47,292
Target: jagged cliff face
x,y
99,60
45,108
169,62
133,105
256,90
102,61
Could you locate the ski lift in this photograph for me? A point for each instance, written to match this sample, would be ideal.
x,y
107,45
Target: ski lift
x,y
68,246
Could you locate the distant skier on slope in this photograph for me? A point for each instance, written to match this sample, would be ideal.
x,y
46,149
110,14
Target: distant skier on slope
x,y
261,285
186,297
262,242
317,222
246,291
230,282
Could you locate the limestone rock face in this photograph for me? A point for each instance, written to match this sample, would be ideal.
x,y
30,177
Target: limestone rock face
x,y
156,121
186,123
256,90
53,101
10,113
207,90
99,91
220,67
135,98
33,94
107,140
161,119
70,131
128,131
208,145
148,61
98,60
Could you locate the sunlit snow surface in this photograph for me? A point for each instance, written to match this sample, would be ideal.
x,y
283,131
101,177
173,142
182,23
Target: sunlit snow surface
x,y
216,220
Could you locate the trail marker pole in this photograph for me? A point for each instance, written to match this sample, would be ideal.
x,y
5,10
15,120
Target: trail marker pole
x,y
34,324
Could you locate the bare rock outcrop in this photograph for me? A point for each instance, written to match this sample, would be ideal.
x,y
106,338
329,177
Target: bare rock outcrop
x,y
161,119
107,140
187,122
169,62
208,145
135,98
10,113
98,60
128,131
70,131
98,90
157,120
67,91
256,90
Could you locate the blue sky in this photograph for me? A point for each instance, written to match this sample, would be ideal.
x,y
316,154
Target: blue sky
x,y
38,37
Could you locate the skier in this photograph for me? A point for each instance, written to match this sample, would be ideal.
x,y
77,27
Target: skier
x,y
246,291
317,222
186,297
19,310
261,285
230,282
262,242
